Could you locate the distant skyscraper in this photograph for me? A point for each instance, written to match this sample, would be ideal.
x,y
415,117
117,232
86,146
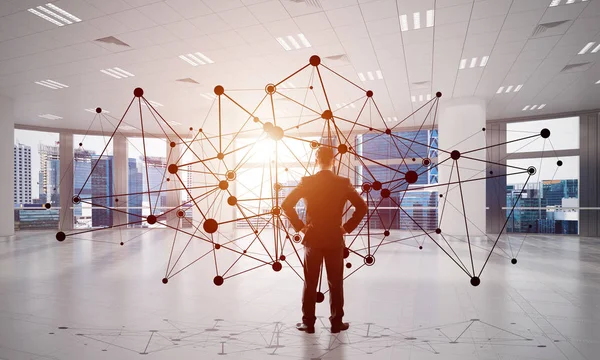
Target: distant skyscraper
x,y
157,180
22,174
49,177
136,187
82,166
102,190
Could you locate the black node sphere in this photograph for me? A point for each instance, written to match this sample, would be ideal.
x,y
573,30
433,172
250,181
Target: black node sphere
x,y
346,252
61,236
210,226
277,266
369,260
232,200
455,155
531,170
348,265
47,205
386,233
545,133
76,199
513,261
385,193
315,60
122,243
438,231
320,297
165,280
151,219
223,185
426,162
475,281
438,94
342,149
173,168
376,185
80,144
411,176
420,247
219,90
559,163
218,280
98,110
138,92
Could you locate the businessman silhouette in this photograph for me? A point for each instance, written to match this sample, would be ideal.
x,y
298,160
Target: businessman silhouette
x,y
325,195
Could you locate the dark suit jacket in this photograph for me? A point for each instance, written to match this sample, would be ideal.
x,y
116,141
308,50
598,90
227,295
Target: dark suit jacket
x,y
325,195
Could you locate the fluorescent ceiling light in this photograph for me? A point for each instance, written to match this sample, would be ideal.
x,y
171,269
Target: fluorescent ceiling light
x,y
430,18
428,97
52,84
413,98
484,61
361,76
154,103
526,107
370,75
420,97
93,110
533,107
293,43
174,123
500,89
63,12
570,1
417,20
596,49
473,62
54,14
196,59
509,88
50,117
541,106
126,127
555,3
586,48
352,105
463,64
379,74
403,23
117,73
518,87
598,82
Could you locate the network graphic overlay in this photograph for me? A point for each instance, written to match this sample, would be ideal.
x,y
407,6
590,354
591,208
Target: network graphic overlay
x,y
242,175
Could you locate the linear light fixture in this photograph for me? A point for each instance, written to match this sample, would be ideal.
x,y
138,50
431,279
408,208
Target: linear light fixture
x,y
290,42
52,84
598,82
117,73
586,48
596,49
54,14
568,2
473,62
370,75
509,88
209,96
416,20
93,110
126,127
174,123
420,98
392,118
534,107
196,59
154,103
287,85
50,117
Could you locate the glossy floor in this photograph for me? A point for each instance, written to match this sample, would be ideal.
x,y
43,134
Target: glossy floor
x,y
83,299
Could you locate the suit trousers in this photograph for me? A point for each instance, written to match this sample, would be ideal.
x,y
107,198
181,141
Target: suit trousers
x,y
334,264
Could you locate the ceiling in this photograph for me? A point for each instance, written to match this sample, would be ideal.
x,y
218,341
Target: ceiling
x,y
528,42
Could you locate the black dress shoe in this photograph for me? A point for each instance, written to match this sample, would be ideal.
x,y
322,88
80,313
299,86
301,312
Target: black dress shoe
x,y
309,329
339,327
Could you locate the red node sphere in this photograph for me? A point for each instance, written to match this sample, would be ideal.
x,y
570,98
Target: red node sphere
x,y
180,213
315,60
232,200
230,175
314,144
220,156
386,233
218,280
320,297
388,131
277,266
173,168
369,260
267,127
219,90
438,231
270,89
256,119
385,193
366,187
346,252
348,265
217,246
455,154
327,114
426,162
210,226
138,92
172,144
369,93
151,219
282,258
411,176
276,210
297,238
276,133
223,185
342,148
377,185
76,199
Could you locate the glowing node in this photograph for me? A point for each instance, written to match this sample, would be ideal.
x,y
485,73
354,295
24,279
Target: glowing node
x,y
220,156
217,246
411,176
277,266
172,144
342,148
173,168
545,133
385,193
426,162
348,265
138,92
218,280
276,133
369,93
76,199
219,90
314,61
369,260
346,252
210,226
47,205
276,210
455,154
377,185
475,281
296,238
180,214
256,119
559,163
513,261
314,144
320,297
98,110
223,185
267,127
232,200
277,187
165,280
282,258
388,131
151,219
366,187
531,170
386,233
327,114
61,236
270,89
438,231
438,94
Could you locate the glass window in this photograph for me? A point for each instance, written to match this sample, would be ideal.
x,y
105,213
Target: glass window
x,y
564,135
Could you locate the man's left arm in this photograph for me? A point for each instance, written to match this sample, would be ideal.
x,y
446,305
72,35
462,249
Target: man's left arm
x,y
289,206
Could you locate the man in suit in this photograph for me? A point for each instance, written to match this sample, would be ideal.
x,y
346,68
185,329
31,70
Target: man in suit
x,y
325,195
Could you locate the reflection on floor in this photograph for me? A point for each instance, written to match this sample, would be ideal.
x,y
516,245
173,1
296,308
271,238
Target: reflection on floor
x,y
85,299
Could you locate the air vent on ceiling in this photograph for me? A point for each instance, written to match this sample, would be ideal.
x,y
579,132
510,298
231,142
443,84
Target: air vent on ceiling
x,y
576,67
542,28
313,3
421,84
340,57
188,80
112,40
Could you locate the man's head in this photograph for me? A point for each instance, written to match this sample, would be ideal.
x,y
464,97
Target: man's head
x,y
324,157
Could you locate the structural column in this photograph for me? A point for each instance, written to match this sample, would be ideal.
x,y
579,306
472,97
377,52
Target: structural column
x,y
462,209
173,197
120,177
66,181
7,133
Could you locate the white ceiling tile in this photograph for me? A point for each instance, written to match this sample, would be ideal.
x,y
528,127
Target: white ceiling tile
x,y
182,29
133,19
160,13
256,33
345,16
558,13
525,18
528,5
301,8
383,27
110,6
222,5
108,26
454,14
189,8
378,10
282,28
490,8
269,11
487,25
238,17
227,38
313,22
210,24
450,31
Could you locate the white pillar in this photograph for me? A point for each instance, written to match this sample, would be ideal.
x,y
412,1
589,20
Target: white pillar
x,y
120,177
66,181
7,134
460,128
173,197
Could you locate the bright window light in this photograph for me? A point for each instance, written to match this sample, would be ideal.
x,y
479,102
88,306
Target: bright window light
x,y
417,20
586,48
430,18
403,23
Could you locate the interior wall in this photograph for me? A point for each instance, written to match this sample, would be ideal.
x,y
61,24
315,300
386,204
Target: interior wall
x,y
589,177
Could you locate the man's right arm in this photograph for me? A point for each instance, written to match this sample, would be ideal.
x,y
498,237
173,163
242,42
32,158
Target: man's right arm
x,y
360,209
